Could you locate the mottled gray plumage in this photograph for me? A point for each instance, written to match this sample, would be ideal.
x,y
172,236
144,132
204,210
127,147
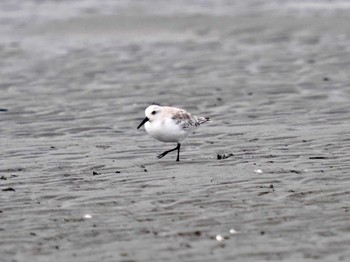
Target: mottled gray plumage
x,y
187,120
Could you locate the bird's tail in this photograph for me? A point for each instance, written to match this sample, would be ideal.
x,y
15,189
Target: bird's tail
x,y
202,120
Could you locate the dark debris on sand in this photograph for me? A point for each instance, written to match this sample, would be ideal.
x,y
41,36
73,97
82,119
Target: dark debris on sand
x,y
9,189
223,156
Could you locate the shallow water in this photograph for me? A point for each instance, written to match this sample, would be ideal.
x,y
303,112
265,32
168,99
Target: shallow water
x,y
74,86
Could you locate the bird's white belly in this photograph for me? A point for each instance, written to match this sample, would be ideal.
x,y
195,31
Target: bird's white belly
x,y
165,132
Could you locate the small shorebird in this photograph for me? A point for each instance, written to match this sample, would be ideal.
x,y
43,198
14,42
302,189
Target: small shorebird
x,y
170,124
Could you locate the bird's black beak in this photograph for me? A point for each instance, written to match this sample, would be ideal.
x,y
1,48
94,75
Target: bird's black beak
x,y
143,121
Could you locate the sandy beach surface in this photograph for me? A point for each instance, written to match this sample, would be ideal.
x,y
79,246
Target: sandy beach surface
x,y
267,180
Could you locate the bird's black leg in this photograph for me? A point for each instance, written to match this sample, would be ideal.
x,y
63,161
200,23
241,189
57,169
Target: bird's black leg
x,y
171,150
178,152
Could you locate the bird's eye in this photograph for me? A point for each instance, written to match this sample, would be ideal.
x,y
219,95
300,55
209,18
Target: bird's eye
x,y
153,112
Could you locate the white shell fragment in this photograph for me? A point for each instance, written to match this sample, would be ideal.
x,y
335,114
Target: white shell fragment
x,y
219,238
232,231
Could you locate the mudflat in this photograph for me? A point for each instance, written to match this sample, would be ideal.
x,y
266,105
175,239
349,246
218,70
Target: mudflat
x,y
267,179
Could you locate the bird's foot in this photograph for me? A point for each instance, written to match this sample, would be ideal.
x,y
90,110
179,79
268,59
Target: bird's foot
x,y
162,155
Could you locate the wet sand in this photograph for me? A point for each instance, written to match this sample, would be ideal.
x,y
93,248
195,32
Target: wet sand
x,y
273,164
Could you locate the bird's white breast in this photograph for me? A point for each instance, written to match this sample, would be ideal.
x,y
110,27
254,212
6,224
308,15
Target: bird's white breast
x,y
165,130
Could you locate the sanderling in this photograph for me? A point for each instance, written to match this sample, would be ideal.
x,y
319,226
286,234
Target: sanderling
x,y
170,124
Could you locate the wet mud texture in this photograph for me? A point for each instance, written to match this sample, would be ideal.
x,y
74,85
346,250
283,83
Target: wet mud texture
x,y
273,164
